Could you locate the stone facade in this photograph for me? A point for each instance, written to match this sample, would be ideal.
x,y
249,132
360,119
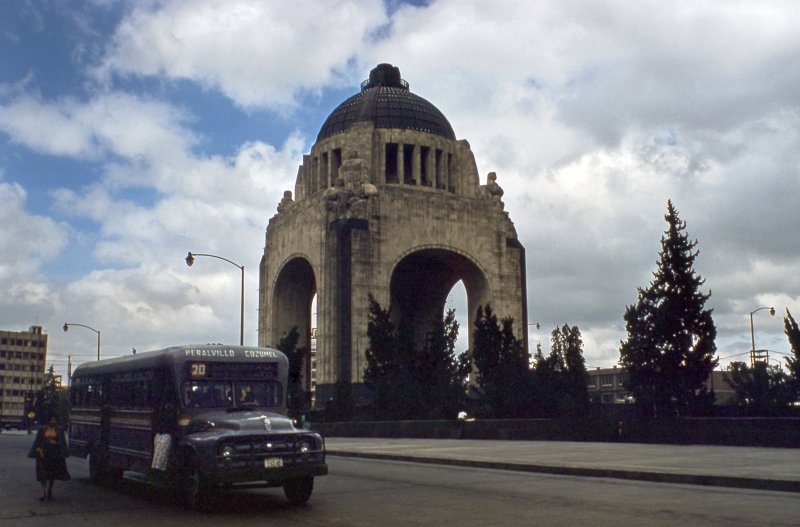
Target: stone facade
x,y
388,207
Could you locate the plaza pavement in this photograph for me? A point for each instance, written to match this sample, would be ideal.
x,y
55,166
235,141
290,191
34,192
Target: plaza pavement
x,y
776,469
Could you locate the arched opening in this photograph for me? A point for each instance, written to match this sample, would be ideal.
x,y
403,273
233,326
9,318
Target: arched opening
x,y
457,300
420,286
292,299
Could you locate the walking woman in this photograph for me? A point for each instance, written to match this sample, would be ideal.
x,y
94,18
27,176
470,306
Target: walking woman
x,y
50,451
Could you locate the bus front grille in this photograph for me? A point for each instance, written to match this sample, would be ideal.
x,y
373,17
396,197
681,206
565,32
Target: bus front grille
x,y
258,451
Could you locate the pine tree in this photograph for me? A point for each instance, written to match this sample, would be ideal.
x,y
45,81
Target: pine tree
x,y
47,401
412,383
503,366
288,345
669,352
388,372
793,363
442,373
761,389
546,383
574,379
560,379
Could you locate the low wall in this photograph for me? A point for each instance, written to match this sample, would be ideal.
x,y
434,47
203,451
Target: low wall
x,y
729,431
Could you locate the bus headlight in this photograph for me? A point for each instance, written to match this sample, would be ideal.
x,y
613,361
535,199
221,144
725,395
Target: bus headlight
x,y
304,449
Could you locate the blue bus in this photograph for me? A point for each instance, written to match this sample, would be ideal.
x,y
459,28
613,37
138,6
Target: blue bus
x,y
225,412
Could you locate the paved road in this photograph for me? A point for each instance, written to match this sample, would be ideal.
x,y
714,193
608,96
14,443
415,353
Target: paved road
x,y
366,492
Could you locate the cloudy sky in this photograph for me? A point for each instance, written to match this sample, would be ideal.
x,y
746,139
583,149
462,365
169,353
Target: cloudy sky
x,y
133,132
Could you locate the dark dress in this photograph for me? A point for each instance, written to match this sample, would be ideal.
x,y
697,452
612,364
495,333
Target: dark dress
x,y
52,464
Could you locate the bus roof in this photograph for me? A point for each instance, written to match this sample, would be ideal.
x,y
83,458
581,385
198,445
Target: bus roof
x,y
179,354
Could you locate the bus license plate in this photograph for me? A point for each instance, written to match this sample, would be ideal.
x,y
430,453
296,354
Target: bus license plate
x,y
273,462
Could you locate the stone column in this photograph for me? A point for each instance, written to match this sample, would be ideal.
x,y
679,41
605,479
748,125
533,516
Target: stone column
x,y
401,165
416,165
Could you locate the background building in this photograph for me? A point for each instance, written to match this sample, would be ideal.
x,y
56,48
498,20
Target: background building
x,y
22,362
606,385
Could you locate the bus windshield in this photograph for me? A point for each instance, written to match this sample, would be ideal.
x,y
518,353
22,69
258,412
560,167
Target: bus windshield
x,y
231,394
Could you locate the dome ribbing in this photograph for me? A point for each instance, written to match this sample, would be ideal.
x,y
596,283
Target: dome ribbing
x,y
386,101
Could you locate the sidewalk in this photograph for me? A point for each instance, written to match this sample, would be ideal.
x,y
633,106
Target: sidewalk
x,y
774,469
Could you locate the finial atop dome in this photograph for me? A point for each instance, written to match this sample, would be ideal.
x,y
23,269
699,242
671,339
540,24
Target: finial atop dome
x,y
384,75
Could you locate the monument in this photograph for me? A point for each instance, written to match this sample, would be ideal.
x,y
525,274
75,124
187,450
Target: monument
x,y
388,203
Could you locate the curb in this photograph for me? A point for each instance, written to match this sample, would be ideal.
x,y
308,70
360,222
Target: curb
x,y
779,485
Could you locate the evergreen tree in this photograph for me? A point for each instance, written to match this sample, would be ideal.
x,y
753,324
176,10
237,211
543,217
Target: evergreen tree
x,y
793,363
567,353
503,366
288,345
760,389
412,383
560,379
388,371
669,352
546,384
442,373
47,400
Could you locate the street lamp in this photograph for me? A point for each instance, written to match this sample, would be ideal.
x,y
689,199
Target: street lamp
x,y
752,335
190,260
538,343
67,325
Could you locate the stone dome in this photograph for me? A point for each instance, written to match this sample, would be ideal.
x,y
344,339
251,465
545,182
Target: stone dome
x,y
386,101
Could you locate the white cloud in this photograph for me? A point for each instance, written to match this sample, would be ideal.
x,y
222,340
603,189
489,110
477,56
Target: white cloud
x,y
26,241
257,53
115,124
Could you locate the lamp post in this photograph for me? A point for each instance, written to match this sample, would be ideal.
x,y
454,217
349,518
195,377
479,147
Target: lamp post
x,y
190,260
67,325
752,335
780,364
538,343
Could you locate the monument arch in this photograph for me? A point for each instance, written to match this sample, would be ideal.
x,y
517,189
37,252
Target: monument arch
x,y
422,280
387,203
294,289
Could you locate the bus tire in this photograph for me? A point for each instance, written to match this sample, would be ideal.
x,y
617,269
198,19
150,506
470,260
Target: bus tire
x,y
114,476
98,473
298,491
193,488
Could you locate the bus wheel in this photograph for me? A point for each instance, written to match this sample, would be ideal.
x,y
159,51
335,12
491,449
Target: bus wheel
x,y
298,491
114,476
194,489
97,469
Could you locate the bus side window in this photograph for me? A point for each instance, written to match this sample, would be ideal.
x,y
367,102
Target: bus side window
x,y
161,388
92,396
189,398
143,395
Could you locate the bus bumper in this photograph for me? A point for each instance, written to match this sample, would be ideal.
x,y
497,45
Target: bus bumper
x,y
253,478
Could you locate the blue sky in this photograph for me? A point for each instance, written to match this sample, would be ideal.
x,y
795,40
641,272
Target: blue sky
x,y
133,132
